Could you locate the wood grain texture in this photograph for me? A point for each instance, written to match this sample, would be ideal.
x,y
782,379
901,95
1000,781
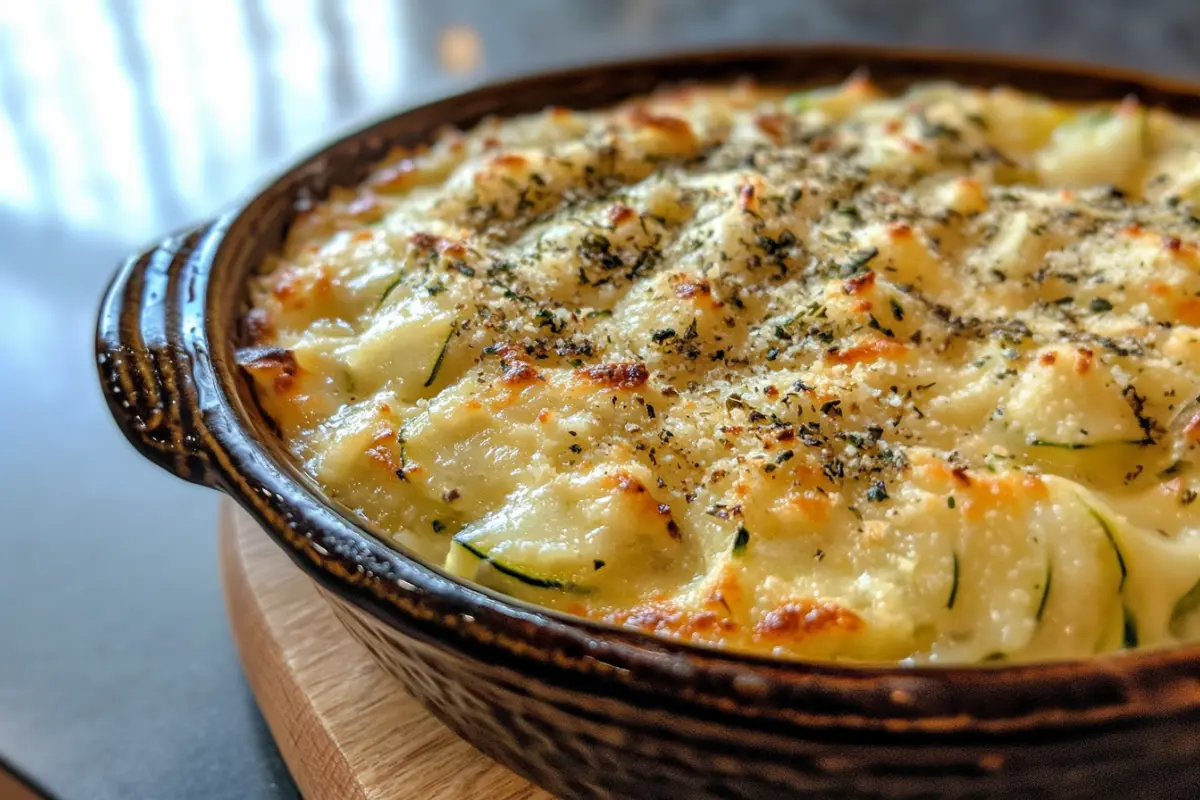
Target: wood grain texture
x,y
344,727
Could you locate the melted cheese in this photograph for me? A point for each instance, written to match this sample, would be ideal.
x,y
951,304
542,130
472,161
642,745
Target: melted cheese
x,y
822,375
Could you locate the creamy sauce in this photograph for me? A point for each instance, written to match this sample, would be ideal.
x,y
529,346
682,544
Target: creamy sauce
x,y
822,375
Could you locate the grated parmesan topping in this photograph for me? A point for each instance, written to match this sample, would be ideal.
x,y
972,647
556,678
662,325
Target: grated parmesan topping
x,y
820,374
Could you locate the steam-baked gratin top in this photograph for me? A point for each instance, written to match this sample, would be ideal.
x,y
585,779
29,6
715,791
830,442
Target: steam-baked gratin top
x,y
824,374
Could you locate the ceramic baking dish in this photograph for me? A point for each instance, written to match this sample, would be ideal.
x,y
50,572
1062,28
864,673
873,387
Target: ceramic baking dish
x,y
589,710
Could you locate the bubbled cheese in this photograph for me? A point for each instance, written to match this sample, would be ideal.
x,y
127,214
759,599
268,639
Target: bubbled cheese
x,y
821,374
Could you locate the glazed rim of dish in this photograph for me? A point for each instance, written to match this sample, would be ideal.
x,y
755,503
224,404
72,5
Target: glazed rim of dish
x,y
165,350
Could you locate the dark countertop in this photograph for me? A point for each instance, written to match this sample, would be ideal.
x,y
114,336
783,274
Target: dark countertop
x,y
120,121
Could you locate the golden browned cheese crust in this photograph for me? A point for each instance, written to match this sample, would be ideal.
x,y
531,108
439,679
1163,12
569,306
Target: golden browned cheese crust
x,y
820,374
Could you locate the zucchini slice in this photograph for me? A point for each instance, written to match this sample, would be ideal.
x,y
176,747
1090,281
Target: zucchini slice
x,y
1020,122
441,356
552,537
1054,404
1158,587
953,582
1018,594
1102,146
1129,631
1081,559
1107,527
1182,615
461,552
388,290
1046,584
834,101
1035,442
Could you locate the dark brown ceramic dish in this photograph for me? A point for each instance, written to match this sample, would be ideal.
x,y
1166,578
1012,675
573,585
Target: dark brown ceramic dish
x,y
587,710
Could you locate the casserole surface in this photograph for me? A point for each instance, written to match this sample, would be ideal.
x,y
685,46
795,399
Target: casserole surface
x,y
823,374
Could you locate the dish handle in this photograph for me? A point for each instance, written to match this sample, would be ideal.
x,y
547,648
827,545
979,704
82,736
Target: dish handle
x,y
145,360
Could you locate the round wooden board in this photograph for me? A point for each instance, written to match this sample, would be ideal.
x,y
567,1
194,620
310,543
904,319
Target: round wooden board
x,y
345,728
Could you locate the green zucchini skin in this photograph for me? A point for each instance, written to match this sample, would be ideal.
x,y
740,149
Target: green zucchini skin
x,y
1045,591
441,356
954,584
1112,540
1059,445
740,541
1083,445
517,575
1184,608
1129,634
396,282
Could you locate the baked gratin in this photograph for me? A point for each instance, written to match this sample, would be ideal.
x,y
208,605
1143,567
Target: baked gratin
x,y
818,374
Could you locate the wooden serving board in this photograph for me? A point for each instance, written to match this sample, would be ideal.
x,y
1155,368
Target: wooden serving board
x,y
346,729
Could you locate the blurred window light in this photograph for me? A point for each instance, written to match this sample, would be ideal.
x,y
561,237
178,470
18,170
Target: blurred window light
x,y
131,117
